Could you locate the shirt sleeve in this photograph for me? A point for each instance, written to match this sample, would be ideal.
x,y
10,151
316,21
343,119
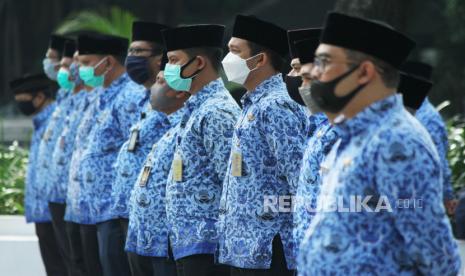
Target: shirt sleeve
x,y
407,173
218,129
128,112
285,127
439,136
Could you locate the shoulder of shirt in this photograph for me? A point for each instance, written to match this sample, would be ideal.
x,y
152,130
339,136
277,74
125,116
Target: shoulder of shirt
x,y
275,103
400,129
220,105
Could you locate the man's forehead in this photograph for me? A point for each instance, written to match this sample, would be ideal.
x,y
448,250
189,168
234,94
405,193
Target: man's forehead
x,y
236,42
140,44
295,62
52,53
329,50
176,53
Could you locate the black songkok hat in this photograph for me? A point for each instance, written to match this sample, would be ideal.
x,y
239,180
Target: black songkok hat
x,y
419,69
30,83
415,83
100,44
69,48
262,33
301,34
164,61
193,36
305,49
147,31
367,36
57,42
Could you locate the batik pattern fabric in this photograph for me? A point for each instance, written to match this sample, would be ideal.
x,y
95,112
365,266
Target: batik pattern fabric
x,y
203,145
309,184
270,137
148,229
430,118
380,209
119,107
35,203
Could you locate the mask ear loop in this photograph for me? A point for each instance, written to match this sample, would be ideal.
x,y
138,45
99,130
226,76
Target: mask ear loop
x,y
251,70
187,64
99,63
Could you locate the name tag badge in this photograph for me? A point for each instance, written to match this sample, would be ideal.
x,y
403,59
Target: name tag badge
x,y
145,175
236,169
177,167
133,140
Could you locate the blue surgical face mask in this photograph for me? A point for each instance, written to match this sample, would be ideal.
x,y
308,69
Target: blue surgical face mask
x,y
174,78
49,68
138,68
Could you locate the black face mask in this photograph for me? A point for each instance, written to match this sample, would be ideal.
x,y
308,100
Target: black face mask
x,y
323,93
138,69
26,107
293,84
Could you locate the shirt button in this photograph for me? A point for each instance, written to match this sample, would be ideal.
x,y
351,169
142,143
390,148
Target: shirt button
x,y
250,117
347,162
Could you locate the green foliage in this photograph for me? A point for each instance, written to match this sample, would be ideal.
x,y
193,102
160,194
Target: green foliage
x,y
456,154
115,22
13,163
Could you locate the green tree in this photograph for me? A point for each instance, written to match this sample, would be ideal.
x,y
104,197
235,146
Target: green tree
x,y
115,22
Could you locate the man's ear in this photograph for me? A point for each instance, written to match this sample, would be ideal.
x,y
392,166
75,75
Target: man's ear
x,y
367,71
201,62
262,59
39,99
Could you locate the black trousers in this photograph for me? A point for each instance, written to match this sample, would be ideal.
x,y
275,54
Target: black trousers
x,y
278,264
139,265
49,250
200,265
90,249
111,241
164,266
59,226
76,252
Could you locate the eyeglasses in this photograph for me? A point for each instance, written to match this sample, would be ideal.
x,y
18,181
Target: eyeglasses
x,y
322,62
139,51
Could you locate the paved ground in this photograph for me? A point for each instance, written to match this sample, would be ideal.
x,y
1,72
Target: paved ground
x,y
19,251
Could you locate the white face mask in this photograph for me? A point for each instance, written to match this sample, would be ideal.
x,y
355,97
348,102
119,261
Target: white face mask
x,y
236,68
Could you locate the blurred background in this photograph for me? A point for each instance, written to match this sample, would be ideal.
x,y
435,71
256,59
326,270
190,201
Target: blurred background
x,y
438,26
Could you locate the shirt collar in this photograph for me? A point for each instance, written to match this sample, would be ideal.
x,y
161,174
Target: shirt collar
x,y
273,83
109,92
176,116
43,115
208,91
374,114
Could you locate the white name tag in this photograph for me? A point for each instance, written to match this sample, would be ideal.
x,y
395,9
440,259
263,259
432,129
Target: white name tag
x,y
145,175
177,167
133,139
236,164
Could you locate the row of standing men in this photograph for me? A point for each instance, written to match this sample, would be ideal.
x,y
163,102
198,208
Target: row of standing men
x,y
146,165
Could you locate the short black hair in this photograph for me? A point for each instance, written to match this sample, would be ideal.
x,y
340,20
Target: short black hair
x,y
389,74
276,60
213,54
